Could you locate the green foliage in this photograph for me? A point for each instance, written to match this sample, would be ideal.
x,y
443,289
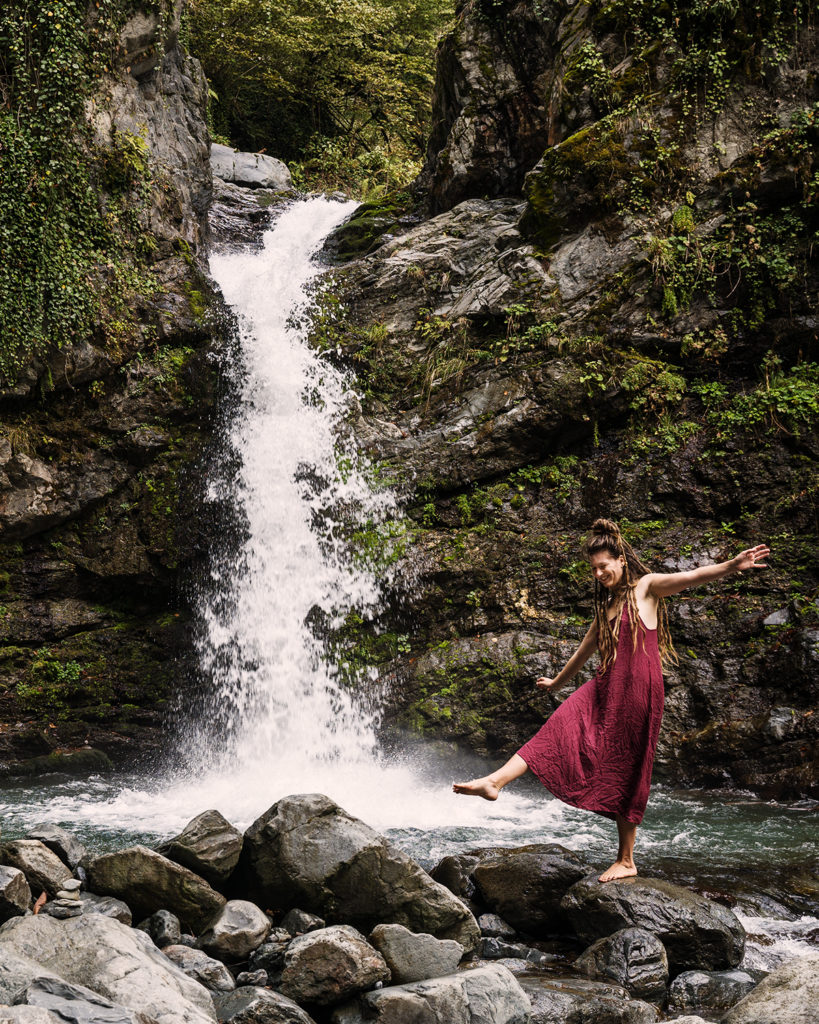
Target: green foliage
x,y
786,400
652,386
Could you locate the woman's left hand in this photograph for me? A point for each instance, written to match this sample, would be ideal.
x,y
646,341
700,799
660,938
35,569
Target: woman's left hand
x,y
751,558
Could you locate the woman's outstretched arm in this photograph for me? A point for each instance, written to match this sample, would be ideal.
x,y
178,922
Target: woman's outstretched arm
x,y
665,584
588,645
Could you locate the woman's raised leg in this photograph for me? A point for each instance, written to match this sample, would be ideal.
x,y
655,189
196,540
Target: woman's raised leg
x,y
490,785
624,866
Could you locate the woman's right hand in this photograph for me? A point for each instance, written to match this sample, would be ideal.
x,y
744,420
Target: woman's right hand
x,y
545,683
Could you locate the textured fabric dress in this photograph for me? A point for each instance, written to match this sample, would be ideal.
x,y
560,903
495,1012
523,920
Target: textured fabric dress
x,y
596,751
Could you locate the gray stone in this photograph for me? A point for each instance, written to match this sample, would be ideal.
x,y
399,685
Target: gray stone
x,y
108,906
414,957
62,909
117,962
631,957
15,894
308,851
163,927
696,932
69,894
299,922
148,882
498,949
28,1015
495,927
238,928
690,1018
269,956
76,1004
252,978
202,968
578,1001
70,850
254,170
250,1005
73,885
788,995
330,965
715,991
208,845
43,869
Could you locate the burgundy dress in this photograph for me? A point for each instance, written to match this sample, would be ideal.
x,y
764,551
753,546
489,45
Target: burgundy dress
x,y
596,751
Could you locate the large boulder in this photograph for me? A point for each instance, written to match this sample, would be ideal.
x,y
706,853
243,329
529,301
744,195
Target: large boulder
x,y
208,845
43,869
77,1004
15,894
633,958
253,170
252,1005
116,962
148,882
577,1001
713,991
308,852
485,995
202,968
238,928
28,1015
412,957
70,850
696,932
789,995
330,965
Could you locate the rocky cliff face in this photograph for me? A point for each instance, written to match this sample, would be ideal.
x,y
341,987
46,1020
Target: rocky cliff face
x,y
97,441
621,324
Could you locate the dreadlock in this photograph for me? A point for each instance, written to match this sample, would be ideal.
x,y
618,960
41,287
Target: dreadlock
x,y
605,536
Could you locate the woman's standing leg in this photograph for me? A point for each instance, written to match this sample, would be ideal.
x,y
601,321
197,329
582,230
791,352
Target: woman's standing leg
x,y
490,785
624,866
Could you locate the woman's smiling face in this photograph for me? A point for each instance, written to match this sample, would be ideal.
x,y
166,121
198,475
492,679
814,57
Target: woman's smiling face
x,y
606,568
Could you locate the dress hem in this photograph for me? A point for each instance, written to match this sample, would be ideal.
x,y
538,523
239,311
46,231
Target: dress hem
x,y
611,815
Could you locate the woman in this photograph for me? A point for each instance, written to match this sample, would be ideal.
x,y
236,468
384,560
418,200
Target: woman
x,y
597,750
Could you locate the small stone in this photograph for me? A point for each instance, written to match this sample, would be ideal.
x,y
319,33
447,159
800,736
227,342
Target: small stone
x,y
15,894
495,927
299,922
269,957
331,964
208,845
68,894
72,885
412,956
714,991
497,949
62,909
188,940
202,968
251,1005
238,928
252,978
107,906
163,927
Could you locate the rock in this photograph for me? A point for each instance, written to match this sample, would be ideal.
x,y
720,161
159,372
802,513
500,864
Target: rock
x,y
412,957
695,931
43,869
455,872
148,882
163,927
307,850
117,962
249,1005
330,965
77,1004
70,850
788,995
254,170
28,1015
269,956
15,894
208,845
252,978
495,927
577,1001
108,906
525,885
62,909
202,968
498,949
485,995
689,1019
299,922
715,991
238,928
631,957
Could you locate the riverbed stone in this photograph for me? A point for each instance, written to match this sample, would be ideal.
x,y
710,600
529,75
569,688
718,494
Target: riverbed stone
x,y
329,965
77,1004
715,991
492,948
269,956
62,909
238,928
208,845
28,1015
788,995
251,1005
696,932
308,852
15,894
253,170
116,962
259,978
43,869
148,882
580,1001
68,848
415,957
299,922
202,968
494,926
484,995
163,927
632,957
108,906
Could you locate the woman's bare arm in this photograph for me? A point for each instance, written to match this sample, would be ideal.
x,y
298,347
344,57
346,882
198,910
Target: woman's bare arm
x,y
588,645
661,584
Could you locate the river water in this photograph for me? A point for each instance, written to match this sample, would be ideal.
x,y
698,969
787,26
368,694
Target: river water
x,y
282,719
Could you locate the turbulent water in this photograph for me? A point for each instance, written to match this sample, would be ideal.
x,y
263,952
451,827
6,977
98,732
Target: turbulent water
x,y
282,719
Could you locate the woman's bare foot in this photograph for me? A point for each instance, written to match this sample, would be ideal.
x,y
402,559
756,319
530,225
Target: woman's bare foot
x,y
619,869
478,787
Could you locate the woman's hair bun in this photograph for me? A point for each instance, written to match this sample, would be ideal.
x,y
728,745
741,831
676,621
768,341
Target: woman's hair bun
x,y
605,528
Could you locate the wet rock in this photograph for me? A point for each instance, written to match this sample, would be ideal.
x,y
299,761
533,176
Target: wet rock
x,y
525,885
695,931
495,927
70,850
269,957
308,851
15,894
498,949
299,922
202,968
485,995
631,957
413,957
108,906
163,927
43,869
252,978
577,1001
116,962
77,1004
715,991
248,1005
330,965
208,845
148,882
254,170
455,872
788,995
238,928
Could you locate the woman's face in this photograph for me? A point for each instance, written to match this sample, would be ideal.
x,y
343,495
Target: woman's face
x,y
607,568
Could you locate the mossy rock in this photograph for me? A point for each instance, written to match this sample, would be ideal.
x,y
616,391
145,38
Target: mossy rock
x,y
364,232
